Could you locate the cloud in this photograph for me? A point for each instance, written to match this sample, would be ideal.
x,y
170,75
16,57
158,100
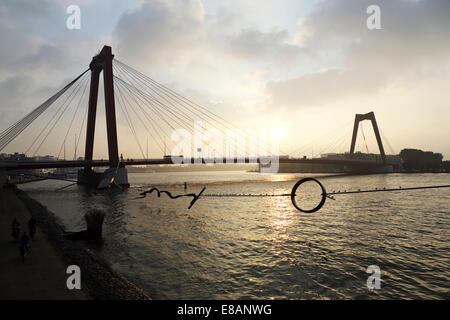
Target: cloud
x,y
323,87
412,44
163,34
250,44
34,64
160,31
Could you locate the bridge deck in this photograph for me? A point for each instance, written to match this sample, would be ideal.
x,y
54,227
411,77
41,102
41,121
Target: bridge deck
x,y
27,165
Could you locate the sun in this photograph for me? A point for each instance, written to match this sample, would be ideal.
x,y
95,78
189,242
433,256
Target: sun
x,y
277,132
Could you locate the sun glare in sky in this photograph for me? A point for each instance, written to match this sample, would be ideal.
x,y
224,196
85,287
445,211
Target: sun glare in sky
x,y
277,132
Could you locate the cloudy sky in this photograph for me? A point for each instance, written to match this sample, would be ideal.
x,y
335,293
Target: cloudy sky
x,y
306,66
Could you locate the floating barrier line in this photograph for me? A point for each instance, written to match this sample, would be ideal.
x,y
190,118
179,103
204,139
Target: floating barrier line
x,y
330,195
292,194
391,189
246,195
218,195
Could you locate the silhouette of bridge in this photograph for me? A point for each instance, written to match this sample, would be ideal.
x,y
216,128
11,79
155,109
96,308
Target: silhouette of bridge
x,y
161,109
28,165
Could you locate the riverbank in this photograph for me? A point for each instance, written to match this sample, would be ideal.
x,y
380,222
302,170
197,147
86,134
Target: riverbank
x,y
50,255
43,273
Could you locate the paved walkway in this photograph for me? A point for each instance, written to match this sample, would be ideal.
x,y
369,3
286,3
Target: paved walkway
x,y
43,274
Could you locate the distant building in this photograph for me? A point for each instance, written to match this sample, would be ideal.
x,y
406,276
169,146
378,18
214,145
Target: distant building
x,y
16,156
45,158
19,156
13,157
393,163
394,160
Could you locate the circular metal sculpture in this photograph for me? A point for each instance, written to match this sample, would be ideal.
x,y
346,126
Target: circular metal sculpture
x,y
297,205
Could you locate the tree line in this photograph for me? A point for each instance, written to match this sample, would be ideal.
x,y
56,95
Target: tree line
x,y
424,161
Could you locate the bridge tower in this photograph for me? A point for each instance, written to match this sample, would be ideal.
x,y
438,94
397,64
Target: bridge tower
x,y
368,116
115,173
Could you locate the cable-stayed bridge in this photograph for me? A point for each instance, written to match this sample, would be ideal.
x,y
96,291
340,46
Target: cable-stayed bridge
x,y
156,110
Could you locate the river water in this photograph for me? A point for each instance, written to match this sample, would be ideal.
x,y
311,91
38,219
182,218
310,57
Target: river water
x,y
261,247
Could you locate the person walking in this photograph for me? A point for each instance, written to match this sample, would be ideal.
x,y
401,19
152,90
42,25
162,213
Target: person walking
x,y
32,226
15,226
24,249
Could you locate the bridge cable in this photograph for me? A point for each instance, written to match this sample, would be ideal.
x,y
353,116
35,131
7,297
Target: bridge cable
x,y
125,85
54,115
175,119
66,103
337,145
190,110
364,136
188,124
145,115
178,120
304,146
176,95
60,116
82,127
117,84
126,106
151,107
127,74
387,142
150,82
335,142
129,88
8,137
343,145
184,102
85,85
174,115
151,121
128,119
14,130
163,107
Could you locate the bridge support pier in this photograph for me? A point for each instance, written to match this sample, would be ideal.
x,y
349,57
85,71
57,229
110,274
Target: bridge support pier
x,y
368,116
101,180
116,174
